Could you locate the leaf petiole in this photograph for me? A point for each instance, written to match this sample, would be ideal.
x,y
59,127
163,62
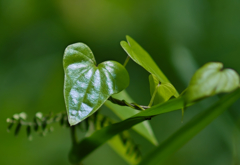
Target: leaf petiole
x,y
124,103
153,96
126,61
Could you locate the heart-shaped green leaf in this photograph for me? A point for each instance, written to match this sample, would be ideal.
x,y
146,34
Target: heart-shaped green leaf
x,y
161,92
141,57
211,79
86,85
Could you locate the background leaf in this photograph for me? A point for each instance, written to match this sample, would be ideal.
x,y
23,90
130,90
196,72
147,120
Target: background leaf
x,y
87,86
211,79
144,128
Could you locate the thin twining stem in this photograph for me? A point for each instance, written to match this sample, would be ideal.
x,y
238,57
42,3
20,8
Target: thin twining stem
x,y
124,103
153,96
126,61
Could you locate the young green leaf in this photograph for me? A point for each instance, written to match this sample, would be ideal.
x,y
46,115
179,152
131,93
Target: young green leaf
x,y
141,57
144,128
161,92
211,79
86,85
188,131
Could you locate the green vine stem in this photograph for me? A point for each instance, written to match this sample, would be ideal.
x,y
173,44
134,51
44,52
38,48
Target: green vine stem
x,y
126,61
73,135
153,96
124,103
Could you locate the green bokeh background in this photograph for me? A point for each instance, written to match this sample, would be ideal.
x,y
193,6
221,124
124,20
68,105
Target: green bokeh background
x,y
179,35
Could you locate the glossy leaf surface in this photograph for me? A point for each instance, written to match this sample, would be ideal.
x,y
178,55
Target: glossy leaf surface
x,y
87,86
211,79
141,57
162,91
144,128
189,130
89,144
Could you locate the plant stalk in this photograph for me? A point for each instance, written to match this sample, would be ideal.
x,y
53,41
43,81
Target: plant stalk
x,y
126,61
73,135
124,103
153,96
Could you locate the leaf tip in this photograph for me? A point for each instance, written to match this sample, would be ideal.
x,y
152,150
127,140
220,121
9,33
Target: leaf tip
x,y
72,121
128,37
122,43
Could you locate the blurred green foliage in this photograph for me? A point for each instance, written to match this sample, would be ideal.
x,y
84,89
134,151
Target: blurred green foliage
x,y
179,35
